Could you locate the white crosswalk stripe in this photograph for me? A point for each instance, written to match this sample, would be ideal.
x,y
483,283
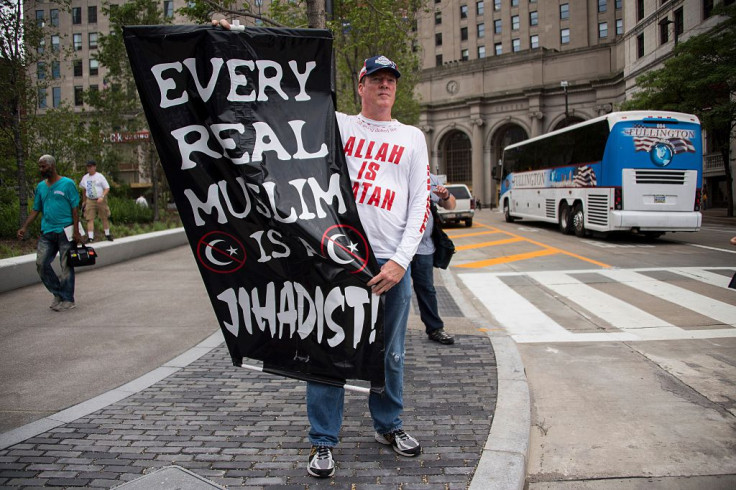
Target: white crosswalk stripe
x,y
525,322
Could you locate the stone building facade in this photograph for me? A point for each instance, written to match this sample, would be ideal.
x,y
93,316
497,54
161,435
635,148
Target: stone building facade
x,y
500,71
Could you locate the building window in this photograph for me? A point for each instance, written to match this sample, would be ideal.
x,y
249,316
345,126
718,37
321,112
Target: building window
x,y
514,3
78,95
498,49
565,36
92,14
640,45
515,23
56,69
76,15
437,18
463,33
438,39
438,60
463,11
77,39
619,27
168,9
664,31
41,46
497,26
515,45
94,67
602,30
92,37
533,18
41,70
496,5
42,98
534,41
39,18
94,88
55,43
707,8
481,52
602,5
54,17
564,11
464,55
78,70
479,8
639,10
619,4
481,31
56,96
679,23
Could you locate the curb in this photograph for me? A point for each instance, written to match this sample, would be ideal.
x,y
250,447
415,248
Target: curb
x,y
18,272
502,464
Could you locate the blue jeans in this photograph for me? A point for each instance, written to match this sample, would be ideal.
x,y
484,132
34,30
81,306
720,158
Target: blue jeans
x,y
48,245
325,403
422,275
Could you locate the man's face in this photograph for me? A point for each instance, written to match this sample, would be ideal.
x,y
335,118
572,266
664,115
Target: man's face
x,y
378,89
91,169
45,169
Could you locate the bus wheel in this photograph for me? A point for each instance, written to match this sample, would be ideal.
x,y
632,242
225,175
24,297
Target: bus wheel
x,y
565,221
578,220
507,213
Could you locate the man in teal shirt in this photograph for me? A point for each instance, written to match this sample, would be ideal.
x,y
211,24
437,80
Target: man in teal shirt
x,y
57,199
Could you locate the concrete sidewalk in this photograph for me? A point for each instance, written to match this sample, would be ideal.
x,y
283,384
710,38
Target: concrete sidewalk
x,y
148,396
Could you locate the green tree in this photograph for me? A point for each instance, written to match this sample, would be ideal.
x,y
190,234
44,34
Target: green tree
x,y
700,78
67,136
117,106
361,28
22,49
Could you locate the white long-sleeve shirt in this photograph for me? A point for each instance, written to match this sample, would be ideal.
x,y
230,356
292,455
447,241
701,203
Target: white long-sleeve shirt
x,y
389,170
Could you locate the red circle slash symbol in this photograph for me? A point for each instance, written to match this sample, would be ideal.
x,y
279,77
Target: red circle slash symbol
x,y
344,245
220,252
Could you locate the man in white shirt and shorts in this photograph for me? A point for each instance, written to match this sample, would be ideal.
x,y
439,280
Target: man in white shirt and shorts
x,y
94,200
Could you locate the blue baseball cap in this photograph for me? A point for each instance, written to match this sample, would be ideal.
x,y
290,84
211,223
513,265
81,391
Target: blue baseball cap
x,y
376,63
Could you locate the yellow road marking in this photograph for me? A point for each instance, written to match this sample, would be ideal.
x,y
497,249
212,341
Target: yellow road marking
x,y
465,235
489,244
547,250
508,258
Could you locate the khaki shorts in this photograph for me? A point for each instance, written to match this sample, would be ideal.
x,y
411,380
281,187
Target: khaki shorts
x,y
92,207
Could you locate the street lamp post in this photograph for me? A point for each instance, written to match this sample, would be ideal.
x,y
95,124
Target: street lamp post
x,y
564,85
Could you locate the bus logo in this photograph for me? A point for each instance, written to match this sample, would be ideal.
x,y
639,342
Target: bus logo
x,y
661,143
661,154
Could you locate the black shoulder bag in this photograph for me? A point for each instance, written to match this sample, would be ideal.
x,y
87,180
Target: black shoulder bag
x,y
444,249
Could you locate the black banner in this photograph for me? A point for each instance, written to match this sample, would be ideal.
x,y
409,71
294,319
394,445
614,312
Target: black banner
x,y
244,124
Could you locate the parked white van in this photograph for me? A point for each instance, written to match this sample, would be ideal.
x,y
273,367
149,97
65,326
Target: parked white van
x,y
465,208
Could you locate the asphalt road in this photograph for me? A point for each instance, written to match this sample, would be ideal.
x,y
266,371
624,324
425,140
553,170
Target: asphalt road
x,y
628,345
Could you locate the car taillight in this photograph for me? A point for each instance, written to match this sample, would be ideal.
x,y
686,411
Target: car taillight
x,y
618,200
472,204
697,200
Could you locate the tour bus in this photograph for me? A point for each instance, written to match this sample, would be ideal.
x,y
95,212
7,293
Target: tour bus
x,y
638,171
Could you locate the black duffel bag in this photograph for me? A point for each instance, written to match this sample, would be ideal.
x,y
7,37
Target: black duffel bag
x,y
444,249
82,255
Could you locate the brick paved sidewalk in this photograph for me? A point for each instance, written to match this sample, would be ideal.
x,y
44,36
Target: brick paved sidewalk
x,y
243,428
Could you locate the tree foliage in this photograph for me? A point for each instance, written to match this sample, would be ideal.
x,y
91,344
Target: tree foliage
x,y
361,29
22,49
700,78
117,105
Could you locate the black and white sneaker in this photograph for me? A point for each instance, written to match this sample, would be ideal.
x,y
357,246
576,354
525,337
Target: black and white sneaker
x,y
402,443
321,464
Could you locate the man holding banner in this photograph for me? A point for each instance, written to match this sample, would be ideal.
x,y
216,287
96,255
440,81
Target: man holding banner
x,y
394,232
300,235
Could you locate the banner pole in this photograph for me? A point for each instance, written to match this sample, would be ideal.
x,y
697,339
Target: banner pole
x,y
356,389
